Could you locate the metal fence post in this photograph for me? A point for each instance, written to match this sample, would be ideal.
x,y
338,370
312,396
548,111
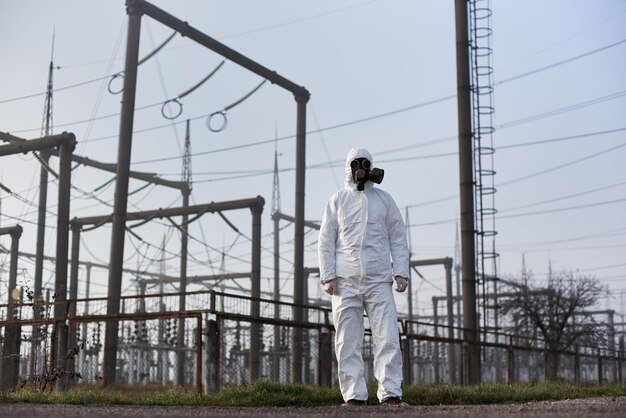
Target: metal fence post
x,y
600,371
620,360
576,365
325,358
11,359
511,358
463,371
211,362
199,353
405,344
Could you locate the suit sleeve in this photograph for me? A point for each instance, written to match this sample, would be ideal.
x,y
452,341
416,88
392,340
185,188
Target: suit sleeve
x,y
397,241
326,243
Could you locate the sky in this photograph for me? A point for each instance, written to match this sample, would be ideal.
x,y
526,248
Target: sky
x,y
382,75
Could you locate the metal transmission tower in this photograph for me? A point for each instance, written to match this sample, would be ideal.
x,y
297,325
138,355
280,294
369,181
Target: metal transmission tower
x,y
182,301
275,372
483,154
187,158
276,185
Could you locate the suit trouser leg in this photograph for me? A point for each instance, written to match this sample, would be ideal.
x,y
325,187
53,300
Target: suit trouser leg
x,y
348,319
381,311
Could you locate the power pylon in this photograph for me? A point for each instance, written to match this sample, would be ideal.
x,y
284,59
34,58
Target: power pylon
x,y
186,177
276,185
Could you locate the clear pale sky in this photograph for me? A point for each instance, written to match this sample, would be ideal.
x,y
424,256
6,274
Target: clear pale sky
x,y
372,68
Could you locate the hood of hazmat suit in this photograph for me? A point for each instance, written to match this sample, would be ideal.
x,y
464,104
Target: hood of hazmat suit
x,y
362,234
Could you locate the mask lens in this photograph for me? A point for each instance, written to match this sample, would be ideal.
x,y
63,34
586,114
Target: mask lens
x,y
363,163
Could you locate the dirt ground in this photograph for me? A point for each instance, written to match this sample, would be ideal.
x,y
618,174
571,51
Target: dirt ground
x,y
574,408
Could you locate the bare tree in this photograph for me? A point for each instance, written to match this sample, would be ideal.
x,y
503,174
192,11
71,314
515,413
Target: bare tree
x,y
550,309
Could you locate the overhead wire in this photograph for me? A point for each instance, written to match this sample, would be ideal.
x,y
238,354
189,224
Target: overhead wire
x,y
516,77
563,209
323,141
559,63
253,31
565,109
542,69
120,74
102,86
382,115
260,172
560,166
163,88
222,113
569,38
596,235
560,198
185,93
518,215
425,143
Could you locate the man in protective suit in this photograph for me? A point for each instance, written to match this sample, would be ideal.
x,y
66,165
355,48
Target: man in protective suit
x,y
362,247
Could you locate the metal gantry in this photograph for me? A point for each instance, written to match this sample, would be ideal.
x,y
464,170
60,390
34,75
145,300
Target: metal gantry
x,y
66,142
135,9
254,204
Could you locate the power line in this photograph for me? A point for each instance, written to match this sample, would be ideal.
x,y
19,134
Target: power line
x,y
254,173
585,206
373,117
556,249
540,212
562,138
430,142
602,22
556,64
603,234
555,112
586,192
28,96
558,167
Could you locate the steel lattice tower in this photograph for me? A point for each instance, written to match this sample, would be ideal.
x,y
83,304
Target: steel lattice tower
x,y
186,177
276,184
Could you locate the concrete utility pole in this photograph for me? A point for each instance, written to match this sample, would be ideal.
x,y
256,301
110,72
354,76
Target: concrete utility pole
x,y
116,260
468,251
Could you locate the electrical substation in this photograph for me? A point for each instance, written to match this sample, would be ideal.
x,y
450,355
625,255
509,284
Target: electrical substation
x,y
168,334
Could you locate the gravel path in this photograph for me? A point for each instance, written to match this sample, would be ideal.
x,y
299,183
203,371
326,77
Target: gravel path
x,y
575,408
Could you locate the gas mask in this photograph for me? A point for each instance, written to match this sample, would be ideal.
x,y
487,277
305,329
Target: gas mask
x,y
362,171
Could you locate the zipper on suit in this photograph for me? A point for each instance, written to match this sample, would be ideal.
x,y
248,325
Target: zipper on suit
x,y
364,208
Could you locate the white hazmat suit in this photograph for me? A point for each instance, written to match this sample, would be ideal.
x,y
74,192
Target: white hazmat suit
x,y
362,246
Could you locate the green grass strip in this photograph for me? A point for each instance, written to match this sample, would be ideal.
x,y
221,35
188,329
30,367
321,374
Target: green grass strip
x,y
270,394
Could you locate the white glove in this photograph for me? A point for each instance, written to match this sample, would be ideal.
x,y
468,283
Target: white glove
x,y
330,287
401,284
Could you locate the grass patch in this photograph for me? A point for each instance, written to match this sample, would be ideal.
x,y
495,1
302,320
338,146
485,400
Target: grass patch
x,y
264,393
498,393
